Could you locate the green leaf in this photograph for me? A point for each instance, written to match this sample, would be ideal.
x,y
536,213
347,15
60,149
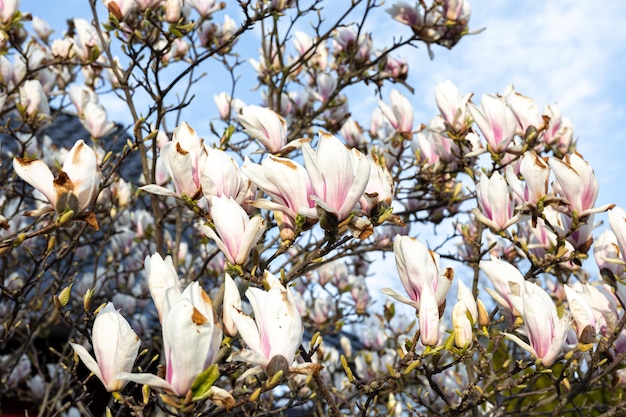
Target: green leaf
x,y
204,381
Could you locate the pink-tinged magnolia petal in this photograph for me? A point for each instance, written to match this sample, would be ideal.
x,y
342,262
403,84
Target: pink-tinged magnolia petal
x,y
582,313
545,330
398,297
429,317
521,344
183,158
577,183
161,276
115,345
338,175
81,166
88,360
461,325
496,122
33,98
231,304
536,173
443,282
379,188
178,162
416,266
400,113
37,174
451,104
221,176
277,327
495,201
539,322
266,126
146,379
500,273
95,120
286,182
189,335
158,190
467,298
235,234
617,222
248,330
525,111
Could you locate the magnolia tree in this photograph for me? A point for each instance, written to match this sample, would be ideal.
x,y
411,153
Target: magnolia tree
x,y
148,270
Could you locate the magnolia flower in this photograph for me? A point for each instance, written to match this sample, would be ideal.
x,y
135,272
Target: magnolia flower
x,y
338,175
456,10
173,10
325,84
616,254
269,128
225,104
221,177
426,285
276,329
205,7
461,325
465,296
116,346
418,267
345,40
494,200
452,105
607,253
545,330
183,158
434,148
33,99
191,340
400,114
231,304
379,190
588,324
161,276
352,134
287,183
76,185
559,131
577,183
536,173
8,9
406,13
235,234
525,111
85,40
505,278
496,122
617,222
94,120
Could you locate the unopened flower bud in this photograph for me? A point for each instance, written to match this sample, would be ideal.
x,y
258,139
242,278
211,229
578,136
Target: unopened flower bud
x,y
483,316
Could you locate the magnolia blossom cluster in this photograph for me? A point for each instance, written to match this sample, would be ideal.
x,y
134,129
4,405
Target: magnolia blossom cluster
x,y
334,179
192,332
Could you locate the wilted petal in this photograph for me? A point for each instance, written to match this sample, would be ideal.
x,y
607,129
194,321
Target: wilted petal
x,y
37,174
